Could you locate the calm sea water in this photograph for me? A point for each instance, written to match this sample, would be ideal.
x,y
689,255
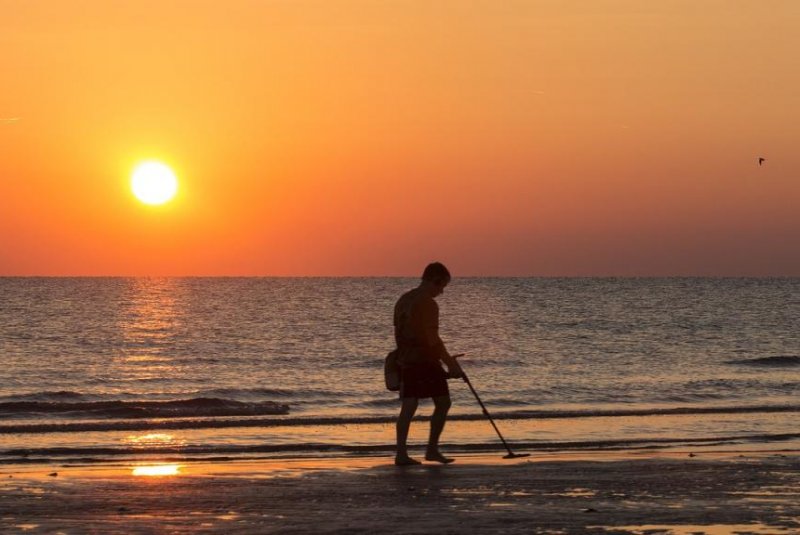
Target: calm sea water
x,y
113,367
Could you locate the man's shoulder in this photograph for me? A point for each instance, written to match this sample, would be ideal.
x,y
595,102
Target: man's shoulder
x,y
410,293
425,303
407,298
417,299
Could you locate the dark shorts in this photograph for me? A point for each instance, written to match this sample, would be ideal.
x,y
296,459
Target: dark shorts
x,y
423,380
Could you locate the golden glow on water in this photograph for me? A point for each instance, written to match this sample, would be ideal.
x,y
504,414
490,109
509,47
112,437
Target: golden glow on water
x,y
153,311
153,315
157,470
153,439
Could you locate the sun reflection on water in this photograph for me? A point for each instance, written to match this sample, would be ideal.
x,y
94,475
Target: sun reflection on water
x,y
151,325
153,316
153,439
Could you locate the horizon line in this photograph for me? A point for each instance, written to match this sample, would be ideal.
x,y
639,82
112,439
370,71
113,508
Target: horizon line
x,y
414,276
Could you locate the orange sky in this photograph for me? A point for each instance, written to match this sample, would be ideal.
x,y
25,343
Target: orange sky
x,y
368,137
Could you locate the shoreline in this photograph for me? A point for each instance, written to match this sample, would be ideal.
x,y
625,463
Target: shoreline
x,y
762,432
575,492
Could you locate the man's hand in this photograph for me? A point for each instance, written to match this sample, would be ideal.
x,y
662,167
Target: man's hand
x,y
458,374
455,372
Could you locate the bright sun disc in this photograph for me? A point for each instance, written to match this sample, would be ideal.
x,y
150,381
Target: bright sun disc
x,y
154,183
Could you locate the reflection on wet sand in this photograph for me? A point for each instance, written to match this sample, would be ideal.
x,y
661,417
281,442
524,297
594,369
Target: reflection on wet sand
x,y
607,494
157,470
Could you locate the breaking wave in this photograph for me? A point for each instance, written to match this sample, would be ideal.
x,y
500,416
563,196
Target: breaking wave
x,y
195,407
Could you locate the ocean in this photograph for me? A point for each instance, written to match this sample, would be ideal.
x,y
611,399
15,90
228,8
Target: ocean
x,y
99,369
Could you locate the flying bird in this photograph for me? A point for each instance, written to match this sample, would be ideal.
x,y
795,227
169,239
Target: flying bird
x,y
761,160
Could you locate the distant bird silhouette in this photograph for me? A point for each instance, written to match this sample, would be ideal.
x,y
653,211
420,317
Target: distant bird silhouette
x,y
761,160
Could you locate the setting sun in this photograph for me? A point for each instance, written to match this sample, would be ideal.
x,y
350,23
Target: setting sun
x,y
154,183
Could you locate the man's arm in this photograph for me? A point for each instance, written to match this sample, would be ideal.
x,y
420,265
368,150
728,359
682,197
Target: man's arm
x,y
427,330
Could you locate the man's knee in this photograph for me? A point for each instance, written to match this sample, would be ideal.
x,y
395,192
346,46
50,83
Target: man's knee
x,y
409,406
442,403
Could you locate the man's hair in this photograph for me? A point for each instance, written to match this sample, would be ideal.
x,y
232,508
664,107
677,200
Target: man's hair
x,y
436,272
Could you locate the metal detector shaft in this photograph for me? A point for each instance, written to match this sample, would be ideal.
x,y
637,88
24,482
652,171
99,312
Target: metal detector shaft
x,y
511,454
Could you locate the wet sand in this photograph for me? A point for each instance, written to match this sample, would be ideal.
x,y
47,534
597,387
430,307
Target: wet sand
x,y
600,493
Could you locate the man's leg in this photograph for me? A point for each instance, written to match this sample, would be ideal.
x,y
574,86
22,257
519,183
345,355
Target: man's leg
x,y
407,410
441,405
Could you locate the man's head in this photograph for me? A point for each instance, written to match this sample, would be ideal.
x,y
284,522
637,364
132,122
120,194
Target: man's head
x,y
436,276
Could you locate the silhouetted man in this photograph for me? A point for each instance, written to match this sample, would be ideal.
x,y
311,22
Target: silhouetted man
x,y
420,357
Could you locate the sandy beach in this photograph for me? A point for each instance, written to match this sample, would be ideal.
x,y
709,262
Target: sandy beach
x,y
678,493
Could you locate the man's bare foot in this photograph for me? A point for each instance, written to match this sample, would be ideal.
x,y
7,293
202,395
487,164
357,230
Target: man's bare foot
x,y
405,460
438,457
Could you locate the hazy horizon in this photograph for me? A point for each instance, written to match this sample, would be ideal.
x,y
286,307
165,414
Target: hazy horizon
x,y
356,138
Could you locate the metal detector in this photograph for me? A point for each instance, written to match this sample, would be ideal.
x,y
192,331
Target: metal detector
x,y
511,454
